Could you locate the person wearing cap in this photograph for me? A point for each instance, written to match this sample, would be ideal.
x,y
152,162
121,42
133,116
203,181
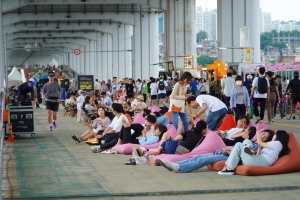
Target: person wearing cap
x,y
279,86
79,102
52,91
248,83
140,105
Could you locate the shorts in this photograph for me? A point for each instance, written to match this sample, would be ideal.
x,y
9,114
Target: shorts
x,y
153,97
52,106
170,146
296,98
162,96
169,93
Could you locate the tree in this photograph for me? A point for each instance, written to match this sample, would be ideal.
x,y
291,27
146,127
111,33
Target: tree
x,y
204,60
275,33
265,41
201,35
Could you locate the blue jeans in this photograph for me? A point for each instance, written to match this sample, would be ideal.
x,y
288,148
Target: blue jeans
x,y
214,119
183,118
199,161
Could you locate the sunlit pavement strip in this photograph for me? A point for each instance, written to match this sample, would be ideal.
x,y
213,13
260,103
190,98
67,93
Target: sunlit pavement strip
x,y
290,125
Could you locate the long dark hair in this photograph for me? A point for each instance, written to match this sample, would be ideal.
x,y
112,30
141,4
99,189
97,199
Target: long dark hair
x,y
200,126
283,137
271,134
162,129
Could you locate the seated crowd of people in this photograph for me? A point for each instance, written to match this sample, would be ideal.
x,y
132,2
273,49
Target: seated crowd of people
x,y
110,122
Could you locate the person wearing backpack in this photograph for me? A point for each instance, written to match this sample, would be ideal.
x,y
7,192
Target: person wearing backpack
x,y
260,93
162,93
169,88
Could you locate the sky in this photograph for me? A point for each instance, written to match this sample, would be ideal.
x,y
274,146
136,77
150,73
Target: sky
x,y
283,10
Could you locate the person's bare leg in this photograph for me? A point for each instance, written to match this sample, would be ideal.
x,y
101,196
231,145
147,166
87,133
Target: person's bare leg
x,y
180,127
49,116
84,134
54,115
88,136
125,123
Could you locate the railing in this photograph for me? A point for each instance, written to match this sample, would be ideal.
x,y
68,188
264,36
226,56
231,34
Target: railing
x,y
2,134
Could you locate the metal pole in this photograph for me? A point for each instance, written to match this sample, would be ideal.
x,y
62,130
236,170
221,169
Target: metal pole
x,y
6,63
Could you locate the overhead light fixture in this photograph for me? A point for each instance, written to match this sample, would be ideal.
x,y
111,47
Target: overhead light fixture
x,y
222,48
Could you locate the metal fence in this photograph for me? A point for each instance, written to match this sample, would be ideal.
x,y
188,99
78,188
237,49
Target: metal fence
x,y
2,134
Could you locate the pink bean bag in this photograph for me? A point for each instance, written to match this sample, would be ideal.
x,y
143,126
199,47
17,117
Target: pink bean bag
x,y
250,124
211,143
127,148
154,109
139,119
286,164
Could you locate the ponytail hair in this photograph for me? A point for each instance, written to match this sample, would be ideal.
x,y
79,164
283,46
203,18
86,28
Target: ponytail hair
x,y
200,126
283,137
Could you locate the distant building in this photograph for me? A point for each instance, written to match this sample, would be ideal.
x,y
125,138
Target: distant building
x,y
210,24
267,22
199,21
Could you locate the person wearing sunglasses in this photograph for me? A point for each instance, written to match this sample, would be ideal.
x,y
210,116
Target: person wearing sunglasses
x,y
51,93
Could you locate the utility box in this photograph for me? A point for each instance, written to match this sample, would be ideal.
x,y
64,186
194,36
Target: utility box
x,y
22,119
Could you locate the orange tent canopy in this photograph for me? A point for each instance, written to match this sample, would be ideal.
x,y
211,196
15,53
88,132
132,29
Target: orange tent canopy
x,y
220,70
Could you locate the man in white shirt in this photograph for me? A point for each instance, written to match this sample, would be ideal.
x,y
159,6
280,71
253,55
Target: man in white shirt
x,y
162,93
227,85
153,88
110,135
259,84
215,109
96,88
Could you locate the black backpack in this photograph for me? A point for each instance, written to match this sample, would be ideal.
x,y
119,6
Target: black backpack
x,y
262,85
161,85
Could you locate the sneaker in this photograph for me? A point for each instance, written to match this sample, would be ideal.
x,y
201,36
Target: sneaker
x,y
226,171
247,150
163,163
75,138
294,117
111,151
175,167
50,128
272,120
96,149
54,124
78,142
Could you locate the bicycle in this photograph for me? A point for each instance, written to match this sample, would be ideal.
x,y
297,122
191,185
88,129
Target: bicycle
x,y
285,106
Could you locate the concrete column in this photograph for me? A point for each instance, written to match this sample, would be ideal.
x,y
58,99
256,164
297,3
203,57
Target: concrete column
x,y
121,68
137,46
104,66
115,48
232,15
91,56
99,57
180,33
110,57
2,64
128,54
153,47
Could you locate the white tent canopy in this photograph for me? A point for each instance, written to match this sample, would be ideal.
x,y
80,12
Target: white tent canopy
x,y
14,77
53,62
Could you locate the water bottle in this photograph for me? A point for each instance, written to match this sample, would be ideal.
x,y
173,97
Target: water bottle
x,y
151,159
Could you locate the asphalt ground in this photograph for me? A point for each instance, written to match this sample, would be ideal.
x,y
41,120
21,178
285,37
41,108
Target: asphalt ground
x,y
52,166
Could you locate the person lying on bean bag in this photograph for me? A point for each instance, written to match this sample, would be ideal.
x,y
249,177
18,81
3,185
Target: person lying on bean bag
x,y
267,153
183,143
199,161
149,134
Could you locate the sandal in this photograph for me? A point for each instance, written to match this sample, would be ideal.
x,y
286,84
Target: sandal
x,y
131,161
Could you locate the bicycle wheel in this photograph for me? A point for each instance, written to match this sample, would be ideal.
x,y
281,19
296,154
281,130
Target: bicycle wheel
x,y
288,109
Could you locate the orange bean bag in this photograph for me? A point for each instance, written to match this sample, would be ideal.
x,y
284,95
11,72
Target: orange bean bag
x,y
285,164
169,115
227,123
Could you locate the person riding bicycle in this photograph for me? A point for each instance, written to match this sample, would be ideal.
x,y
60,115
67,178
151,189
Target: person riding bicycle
x,y
294,85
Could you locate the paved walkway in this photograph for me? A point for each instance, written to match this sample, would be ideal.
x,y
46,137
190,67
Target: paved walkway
x,y
52,165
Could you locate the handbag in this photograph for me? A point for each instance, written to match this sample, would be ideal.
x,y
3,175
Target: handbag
x,y
177,105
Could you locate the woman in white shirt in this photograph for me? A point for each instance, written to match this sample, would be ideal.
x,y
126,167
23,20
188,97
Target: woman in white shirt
x,y
270,153
79,102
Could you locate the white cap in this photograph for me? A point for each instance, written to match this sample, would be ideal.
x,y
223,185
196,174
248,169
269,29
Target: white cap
x,y
108,93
